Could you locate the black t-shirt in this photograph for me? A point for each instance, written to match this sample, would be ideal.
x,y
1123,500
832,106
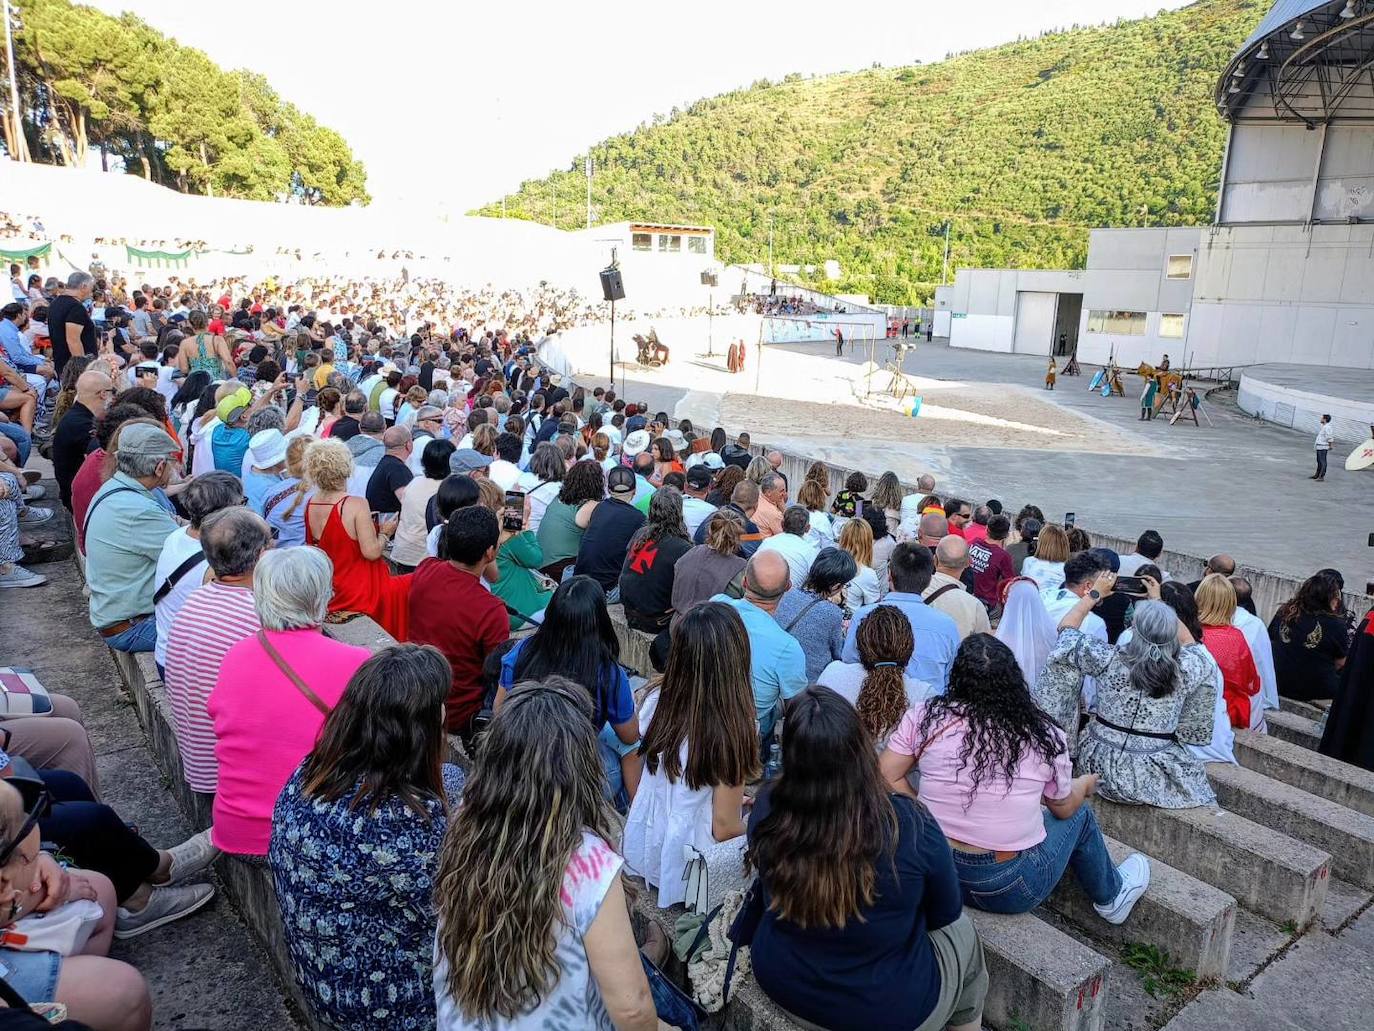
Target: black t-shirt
x,y
390,473
484,367
646,581
426,377
345,429
1305,654
606,541
70,442
61,311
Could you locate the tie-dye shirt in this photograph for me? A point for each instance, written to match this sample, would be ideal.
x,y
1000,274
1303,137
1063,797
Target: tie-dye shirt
x,y
574,1003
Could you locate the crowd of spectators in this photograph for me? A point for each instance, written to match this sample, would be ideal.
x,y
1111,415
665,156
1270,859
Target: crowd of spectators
x,y
255,470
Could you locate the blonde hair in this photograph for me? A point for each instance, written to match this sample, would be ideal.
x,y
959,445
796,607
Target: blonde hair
x,y
856,537
1053,544
295,466
492,496
484,440
328,464
1216,600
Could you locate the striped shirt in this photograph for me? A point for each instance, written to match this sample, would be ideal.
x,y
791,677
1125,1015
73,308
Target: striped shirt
x,y
213,619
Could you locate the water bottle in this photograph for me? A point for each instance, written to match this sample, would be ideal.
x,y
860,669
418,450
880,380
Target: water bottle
x,y
774,765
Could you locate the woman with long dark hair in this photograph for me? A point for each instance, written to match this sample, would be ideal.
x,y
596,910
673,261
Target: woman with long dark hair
x,y
856,888
577,640
566,516
533,929
646,577
989,758
1310,639
700,748
723,486
355,841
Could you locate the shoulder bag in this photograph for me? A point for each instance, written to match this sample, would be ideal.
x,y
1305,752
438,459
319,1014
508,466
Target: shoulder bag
x,y
291,674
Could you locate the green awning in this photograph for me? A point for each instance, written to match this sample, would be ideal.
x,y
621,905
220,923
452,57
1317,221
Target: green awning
x,y
35,252
158,259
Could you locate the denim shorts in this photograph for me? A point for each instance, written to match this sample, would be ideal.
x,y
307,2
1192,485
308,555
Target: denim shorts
x,y
32,974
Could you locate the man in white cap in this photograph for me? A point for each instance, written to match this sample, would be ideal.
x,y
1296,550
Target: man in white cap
x,y
266,466
126,526
429,419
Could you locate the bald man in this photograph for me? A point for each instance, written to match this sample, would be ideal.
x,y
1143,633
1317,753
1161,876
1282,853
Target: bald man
x,y
774,459
947,593
777,665
387,484
74,435
1223,564
934,528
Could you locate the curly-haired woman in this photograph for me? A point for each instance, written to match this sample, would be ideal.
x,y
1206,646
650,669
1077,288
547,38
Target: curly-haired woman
x,y
995,773
877,685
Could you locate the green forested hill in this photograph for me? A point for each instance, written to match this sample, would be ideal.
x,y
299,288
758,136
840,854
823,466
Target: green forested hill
x,y
1023,147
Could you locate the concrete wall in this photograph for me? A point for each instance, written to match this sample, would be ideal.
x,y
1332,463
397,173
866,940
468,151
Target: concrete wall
x,y
1267,392
1297,294
983,305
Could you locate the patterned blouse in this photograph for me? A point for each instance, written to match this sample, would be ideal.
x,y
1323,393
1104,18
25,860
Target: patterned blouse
x,y
1134,767
355,892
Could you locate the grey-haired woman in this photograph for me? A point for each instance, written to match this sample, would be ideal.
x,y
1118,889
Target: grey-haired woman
x,y
1153,698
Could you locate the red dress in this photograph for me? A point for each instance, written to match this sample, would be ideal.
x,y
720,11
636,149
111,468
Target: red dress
x,y
1240,678
360,584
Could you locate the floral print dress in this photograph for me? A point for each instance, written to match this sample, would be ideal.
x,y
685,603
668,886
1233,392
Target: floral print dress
x,y
355,888
1134,768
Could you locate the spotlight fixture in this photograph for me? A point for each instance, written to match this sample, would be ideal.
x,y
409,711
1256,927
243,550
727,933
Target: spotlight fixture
x,y
1348,11
1296,35
1263,54
1239,71
1235,87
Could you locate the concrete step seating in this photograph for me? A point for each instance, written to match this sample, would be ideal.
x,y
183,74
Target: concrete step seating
x,y
1268,872
1340,782
1310,710
1190,920
1290,726
1346,834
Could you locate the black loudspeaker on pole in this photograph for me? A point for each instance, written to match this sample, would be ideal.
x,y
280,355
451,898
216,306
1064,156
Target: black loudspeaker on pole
x,y
612,289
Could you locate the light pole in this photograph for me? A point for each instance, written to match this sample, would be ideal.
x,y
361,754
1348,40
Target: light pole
x,y
589,189
944,270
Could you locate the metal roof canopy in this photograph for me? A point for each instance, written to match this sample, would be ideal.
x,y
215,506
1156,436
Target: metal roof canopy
x,y
1326,74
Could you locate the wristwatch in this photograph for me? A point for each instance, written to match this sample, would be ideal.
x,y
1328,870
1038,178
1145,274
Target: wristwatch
x,y
1095,594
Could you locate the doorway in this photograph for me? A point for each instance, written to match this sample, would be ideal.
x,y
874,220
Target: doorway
x,y
1068,314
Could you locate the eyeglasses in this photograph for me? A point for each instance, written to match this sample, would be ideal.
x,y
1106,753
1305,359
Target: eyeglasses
x,y
36,798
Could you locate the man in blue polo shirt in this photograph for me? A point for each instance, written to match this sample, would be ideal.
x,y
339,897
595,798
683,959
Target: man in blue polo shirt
x,y
937,636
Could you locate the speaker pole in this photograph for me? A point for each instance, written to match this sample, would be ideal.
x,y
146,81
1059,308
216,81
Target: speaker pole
x,y
711,324
612,343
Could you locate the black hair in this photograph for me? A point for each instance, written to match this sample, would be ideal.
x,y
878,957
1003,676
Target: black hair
x,y
470,533
1150,544
911,566
508,447
1184,603
576,640
953,505
434,459
988,691
191,388
116,416
994,506
1083,566
998,527
876,518
832,568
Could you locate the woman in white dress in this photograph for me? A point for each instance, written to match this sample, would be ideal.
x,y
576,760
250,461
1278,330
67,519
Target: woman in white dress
x,y
700,747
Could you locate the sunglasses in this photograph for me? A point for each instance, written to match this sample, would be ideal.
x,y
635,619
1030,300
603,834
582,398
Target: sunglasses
x,y
36,799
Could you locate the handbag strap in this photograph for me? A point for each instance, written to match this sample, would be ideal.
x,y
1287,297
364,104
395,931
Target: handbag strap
x,y
291,675
176,574
11,998
939,591
798,617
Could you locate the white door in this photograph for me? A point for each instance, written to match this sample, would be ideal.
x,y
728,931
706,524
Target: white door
x,y
1034,322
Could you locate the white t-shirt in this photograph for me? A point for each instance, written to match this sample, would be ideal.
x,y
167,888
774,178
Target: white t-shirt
x,y
1048,576
846,678
575,1001
695,511
504,474
203,460
798,551
539,499
176,549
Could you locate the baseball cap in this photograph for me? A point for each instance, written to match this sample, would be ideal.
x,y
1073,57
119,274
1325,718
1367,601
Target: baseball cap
x,y
620,480
231,406
146,440
713,461
699,476
466,460
426,412
636,442
268,447
635,422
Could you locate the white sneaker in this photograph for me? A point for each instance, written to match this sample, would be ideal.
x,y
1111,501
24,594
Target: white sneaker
x,y
35,493
191,857
31,515
18,576
164,906
1135,878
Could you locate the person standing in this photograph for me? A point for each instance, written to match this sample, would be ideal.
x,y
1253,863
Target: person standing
x,y
1325,438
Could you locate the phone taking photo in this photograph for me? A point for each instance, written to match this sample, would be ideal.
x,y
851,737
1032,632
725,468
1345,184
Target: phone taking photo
x,y
1132,585
513,515
1068,520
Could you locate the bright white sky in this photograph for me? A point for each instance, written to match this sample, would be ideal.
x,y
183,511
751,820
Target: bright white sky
x,y
450,103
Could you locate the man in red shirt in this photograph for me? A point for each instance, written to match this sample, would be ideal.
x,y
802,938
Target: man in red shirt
x,y
991,564
452,610
957,513
978,529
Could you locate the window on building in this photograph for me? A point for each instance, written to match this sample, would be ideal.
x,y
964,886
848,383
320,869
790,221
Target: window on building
x,y
1180,266
642,241
1171,326
1121,323
671,244
696,245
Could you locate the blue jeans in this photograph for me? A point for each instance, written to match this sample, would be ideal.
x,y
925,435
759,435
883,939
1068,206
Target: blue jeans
x,y
141,637
1021,884
611,749
22,441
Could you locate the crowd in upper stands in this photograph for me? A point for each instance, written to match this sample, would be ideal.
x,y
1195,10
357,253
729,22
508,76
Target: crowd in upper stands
x,y
934,687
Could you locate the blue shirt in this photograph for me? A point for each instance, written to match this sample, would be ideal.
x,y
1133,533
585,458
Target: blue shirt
x,y
16,353
616,704
937,638
777,665
229,444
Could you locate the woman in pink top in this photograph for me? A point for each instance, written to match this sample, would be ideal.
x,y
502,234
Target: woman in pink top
x,y
988,757
265,720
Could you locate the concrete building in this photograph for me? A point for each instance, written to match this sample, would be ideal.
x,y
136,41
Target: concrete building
x,y
1286,273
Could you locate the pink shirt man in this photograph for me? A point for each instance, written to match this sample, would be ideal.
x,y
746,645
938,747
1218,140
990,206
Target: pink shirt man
x,y
997,819
264,726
